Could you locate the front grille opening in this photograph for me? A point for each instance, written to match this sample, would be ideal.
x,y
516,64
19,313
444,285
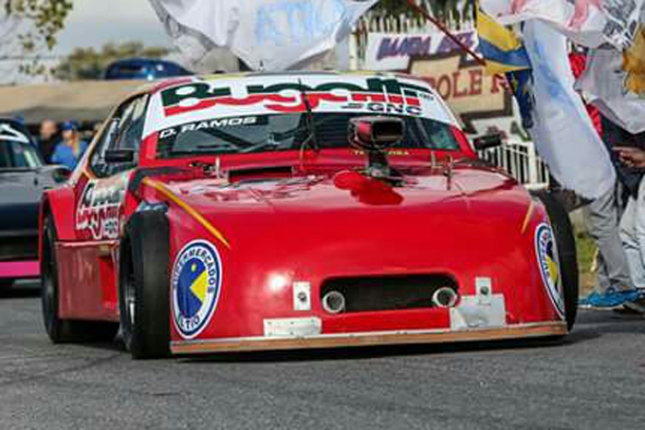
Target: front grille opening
x,y
384,293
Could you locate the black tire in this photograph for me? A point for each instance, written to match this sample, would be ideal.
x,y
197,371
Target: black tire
x,y
61,330
566,244
6,283
144,283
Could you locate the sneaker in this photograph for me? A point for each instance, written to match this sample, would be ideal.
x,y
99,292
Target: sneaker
x,y
586,301
637,306
611,298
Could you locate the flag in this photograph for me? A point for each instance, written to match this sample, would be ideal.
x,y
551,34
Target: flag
x,y
607,84
563,133
502,49
266,34
634,64
521,83
589,23
504,53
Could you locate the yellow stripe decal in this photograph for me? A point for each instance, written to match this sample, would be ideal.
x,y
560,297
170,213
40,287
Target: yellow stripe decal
x,y
529,214
188,209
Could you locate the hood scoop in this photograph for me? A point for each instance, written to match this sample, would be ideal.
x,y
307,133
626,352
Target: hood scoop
x,y
375,135
260,173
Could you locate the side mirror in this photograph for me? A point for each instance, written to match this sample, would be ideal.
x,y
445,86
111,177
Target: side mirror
x,y
487,142
61,174
375,133
119,156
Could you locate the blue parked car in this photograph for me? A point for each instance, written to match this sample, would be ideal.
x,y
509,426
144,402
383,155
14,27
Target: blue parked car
x,y
144,68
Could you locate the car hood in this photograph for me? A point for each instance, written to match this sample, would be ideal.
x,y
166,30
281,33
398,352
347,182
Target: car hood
x,y
320,206
474,224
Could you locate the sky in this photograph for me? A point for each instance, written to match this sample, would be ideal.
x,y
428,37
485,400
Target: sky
x,y
93,23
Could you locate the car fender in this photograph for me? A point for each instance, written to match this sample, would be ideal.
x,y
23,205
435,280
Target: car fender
x,y
60,204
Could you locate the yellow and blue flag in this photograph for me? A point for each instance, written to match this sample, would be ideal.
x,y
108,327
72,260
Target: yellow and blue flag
x,y
505,53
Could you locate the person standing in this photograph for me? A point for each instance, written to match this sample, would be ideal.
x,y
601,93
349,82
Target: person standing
x,y
70,150
633,222
48,139
614,286
616,283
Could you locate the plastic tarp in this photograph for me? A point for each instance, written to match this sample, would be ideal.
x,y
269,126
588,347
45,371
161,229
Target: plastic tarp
x,y
266,34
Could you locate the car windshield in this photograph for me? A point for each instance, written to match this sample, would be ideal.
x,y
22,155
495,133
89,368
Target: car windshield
x,y
18,155
284,132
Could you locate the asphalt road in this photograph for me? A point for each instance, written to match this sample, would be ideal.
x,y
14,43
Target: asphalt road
x,y
594,380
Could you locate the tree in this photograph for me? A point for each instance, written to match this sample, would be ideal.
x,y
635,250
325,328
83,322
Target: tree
x,y
88,63
44,19
47,16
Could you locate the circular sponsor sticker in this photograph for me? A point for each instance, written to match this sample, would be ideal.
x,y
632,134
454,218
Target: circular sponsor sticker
x,y
196,283
548,260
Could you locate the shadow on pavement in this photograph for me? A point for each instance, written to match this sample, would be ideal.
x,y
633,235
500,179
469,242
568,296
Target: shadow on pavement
x,y
21,290
591,325
366,353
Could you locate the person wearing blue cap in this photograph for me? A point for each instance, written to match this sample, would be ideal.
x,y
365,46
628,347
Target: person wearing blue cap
x,y
70,150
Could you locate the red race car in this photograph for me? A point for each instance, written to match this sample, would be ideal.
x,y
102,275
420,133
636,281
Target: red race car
x,y
311,210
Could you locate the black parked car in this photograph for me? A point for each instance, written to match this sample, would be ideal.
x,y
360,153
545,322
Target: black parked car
x,y
23,177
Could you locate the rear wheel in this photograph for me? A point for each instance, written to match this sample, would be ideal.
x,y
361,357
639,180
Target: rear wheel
x,y
61,330
566,246
144,286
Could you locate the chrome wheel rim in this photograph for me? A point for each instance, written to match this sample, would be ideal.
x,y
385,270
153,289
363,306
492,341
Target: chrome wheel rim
x,y
130,300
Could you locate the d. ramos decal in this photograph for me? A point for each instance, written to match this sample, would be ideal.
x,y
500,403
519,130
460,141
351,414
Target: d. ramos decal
x,y
209,125
549,263
196,282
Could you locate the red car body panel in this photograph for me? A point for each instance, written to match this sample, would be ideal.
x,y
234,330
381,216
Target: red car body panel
x,y
325,221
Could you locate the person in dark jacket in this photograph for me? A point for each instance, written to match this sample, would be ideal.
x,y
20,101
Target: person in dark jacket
x,y
48,139
614,284
630,152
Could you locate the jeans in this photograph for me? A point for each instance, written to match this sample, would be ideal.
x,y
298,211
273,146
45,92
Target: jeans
x,y
603,217
632,231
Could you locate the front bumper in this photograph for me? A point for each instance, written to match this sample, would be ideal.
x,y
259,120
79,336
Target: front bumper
x,y
19,269
519,331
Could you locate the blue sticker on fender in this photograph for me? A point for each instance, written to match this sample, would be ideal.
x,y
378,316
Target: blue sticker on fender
x,y
547,254
196,283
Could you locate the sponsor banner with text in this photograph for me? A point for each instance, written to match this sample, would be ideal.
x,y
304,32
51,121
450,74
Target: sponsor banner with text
x,y
482,103
209,100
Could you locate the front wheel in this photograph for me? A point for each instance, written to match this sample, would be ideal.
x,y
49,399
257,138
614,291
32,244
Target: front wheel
x,y
566,251
144,282
62,330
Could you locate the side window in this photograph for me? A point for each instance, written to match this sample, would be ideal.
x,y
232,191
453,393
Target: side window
x,y
97,159
131,125
124,131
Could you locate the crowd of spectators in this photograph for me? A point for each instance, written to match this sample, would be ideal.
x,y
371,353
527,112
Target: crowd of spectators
x,y
61,143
